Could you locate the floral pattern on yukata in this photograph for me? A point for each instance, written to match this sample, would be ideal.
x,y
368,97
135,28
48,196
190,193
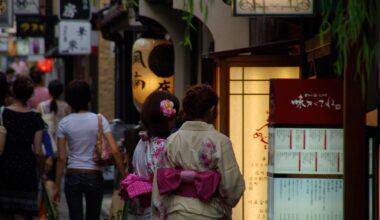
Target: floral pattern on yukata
x,y
207,155
156,154
161,211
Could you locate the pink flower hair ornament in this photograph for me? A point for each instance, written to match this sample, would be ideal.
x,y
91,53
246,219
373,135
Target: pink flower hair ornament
x,y
167,108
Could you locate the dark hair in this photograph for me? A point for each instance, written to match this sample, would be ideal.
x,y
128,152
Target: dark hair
x,y
10,71
152,117
23,88
55,89
198,100
4,89
78,95
36,75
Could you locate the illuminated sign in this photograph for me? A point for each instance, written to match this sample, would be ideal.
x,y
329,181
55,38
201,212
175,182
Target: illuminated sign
x,y
35,25
249,112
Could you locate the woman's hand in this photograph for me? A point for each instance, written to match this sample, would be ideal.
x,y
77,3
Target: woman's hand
x,y
56,193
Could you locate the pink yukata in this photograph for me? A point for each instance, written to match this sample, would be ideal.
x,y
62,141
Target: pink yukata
x,y
197,147
149,155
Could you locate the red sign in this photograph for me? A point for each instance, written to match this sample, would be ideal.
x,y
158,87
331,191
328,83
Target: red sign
x,y
306,102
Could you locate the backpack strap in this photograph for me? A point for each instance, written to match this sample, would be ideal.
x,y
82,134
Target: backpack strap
x,y
100,123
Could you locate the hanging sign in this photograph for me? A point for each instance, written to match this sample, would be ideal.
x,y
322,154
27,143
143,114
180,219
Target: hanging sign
x,y
26,6
273,7
31,25
3,44
306,102
22,46
6,13
152,68
74,10
74,37
36,45
12,46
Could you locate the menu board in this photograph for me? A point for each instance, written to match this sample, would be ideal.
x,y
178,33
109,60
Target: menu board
x,y
305,150
305,199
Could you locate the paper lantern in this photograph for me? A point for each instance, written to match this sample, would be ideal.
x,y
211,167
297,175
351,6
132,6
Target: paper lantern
x,y
152,68
45,65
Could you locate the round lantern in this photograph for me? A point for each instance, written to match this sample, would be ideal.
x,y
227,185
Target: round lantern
x,y
152,68
45,65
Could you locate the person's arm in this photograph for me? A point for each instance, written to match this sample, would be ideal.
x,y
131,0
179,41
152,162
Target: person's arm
x,y
48,160
232,185
116,153
39,108
61,163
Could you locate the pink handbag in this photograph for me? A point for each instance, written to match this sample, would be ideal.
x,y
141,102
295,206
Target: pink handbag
x,y
102,153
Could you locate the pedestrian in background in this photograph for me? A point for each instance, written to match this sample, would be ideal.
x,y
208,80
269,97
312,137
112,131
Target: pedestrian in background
x,y
11,77
4,89
83,176
198,151
19,66
41,93
52,111
158,116
22,155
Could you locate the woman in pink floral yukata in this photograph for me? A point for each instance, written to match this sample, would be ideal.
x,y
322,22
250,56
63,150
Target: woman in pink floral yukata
x,y
202,180
158,115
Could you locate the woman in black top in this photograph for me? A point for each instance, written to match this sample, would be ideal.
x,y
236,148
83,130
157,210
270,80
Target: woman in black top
x,y
22,155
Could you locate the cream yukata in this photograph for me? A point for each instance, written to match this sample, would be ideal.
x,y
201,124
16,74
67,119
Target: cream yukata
x,y
197,146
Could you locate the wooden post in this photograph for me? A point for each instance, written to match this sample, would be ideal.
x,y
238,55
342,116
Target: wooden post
x,y
356,170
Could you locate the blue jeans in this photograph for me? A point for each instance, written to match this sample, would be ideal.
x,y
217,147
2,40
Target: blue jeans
x,y
78,185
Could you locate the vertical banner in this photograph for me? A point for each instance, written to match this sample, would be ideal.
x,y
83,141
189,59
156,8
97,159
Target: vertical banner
x,y
6,13
152,68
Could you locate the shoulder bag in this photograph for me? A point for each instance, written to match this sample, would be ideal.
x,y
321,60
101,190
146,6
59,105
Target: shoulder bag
x,y
102,153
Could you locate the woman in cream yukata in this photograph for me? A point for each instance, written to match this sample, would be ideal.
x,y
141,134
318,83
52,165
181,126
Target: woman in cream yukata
x,y
197,153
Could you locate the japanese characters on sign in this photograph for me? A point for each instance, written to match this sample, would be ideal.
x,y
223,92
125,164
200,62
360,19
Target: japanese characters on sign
x,y
273,7
316,100
144,80
306,101
74,37
32,26
26,6
74,10
304,198
6,13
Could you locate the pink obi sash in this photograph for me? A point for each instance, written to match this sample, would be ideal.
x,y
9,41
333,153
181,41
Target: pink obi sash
x,y
136,185
188,183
